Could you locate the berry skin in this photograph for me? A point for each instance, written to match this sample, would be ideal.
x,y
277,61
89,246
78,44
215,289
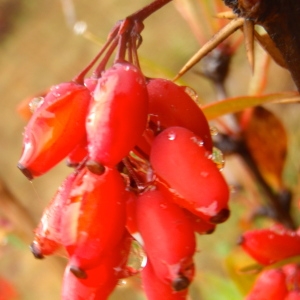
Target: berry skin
x,y
156,289
268,246
98,282
168,238
170,105
118,114
269,285
55,128
94,221
48,233
293,295
180,160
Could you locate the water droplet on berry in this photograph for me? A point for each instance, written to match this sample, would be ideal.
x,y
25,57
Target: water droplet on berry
x,y
218,158
192,93
213,131
80,27
197,141
171,136
127,68
35,103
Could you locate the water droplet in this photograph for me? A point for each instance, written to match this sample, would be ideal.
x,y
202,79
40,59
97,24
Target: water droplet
x,y
192,93
218,158
213,131
127,68
197,141
171,136
80,27
35,103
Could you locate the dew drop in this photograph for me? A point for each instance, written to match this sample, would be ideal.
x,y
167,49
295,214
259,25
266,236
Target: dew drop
x,y
80,27
218,158
213,131
192,93
127,68
171,136
197,141
35,103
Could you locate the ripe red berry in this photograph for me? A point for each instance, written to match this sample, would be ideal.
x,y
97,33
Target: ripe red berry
x,y
179,159
101,280
293,295
168,237
156,289
55,128
268,246
94,221
170,105
48,233
269,285
118,114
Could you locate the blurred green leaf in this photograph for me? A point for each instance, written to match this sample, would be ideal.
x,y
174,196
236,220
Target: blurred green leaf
x,y
217,287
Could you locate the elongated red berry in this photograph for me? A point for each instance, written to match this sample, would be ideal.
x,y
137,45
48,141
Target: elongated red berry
x,y
118,114
78,154
55,128
156,289
99,224
179,158
170,105
48,233
268,246
293,295
168,237
98,282
269,285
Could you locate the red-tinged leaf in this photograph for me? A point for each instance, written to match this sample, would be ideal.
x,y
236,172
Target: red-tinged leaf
x,y
266,140
237,104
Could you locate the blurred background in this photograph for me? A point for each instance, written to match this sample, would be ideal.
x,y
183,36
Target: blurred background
x,y
39,48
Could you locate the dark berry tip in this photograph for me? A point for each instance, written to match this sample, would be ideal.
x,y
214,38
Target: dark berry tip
x,y
25,171
36,251
221,216
180,283
95,167
240,240
79,273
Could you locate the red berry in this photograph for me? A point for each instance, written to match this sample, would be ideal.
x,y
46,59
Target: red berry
x,y
170,105
293,295
179,158
168,238
269,285
48,233
156,289
98,282
55,128
118,114
94,221
268,246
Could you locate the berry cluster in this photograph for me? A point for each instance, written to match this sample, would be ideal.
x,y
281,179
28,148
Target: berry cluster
x,y
143,164
270,246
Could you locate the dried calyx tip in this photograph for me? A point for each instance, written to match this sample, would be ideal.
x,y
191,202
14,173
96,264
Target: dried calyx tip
x,y
36,251
180,283
25,171
221,217
95,167
79,273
